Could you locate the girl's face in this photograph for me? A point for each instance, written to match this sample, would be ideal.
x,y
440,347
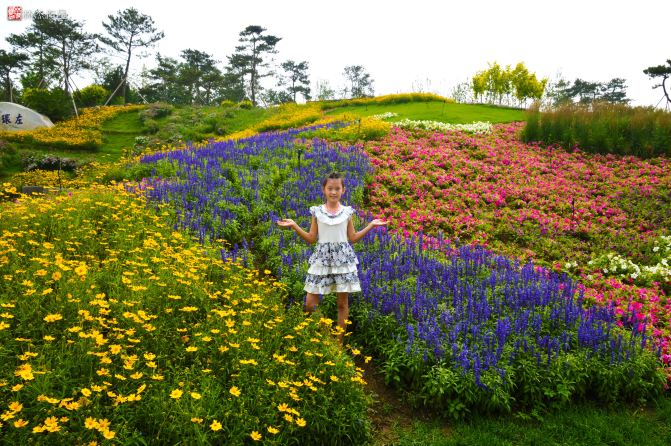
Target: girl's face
x,y
333,190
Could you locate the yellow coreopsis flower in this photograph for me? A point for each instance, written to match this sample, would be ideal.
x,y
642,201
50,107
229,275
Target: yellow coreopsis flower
x,y
256,436
176,394
273,430
300,422
52,317
91,423
196,395
235,391
215,426
20,423
15,406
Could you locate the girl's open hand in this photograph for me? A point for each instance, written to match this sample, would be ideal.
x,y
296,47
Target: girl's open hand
x,y
379,222
286,223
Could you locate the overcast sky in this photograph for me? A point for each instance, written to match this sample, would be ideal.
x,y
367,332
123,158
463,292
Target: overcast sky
x,y
408,44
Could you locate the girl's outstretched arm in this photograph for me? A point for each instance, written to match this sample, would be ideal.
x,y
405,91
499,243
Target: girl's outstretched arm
x,y
354,236
310,237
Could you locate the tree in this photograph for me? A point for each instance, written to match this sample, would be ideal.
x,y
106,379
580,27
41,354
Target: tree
x,y
663,72
296,79
43,69
504,85
232,85
163,82
198,72
9,62
614,91
73,47
249,57
359,80
129,30
324,91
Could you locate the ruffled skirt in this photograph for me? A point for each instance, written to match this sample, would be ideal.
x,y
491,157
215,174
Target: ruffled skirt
x,y
333,269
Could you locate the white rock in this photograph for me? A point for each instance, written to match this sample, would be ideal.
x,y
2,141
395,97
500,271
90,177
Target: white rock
x,y
15,117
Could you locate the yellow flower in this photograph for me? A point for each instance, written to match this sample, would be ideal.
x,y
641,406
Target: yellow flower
x,y
273,430
20,423
266,271
53,317
81,269
256,436
196,395
215,426
56,276
108,434
90,423
288,417
48,338
196,420
334,378
191,349
235,391
176,394
15,406
301,422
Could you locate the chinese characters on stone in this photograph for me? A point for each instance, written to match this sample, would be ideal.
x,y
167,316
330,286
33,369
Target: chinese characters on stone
x,y
7,119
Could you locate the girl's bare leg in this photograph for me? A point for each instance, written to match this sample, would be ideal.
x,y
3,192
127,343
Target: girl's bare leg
x,y
311,302
343,314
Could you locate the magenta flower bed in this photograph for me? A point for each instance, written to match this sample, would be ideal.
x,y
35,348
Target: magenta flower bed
x,y
546,204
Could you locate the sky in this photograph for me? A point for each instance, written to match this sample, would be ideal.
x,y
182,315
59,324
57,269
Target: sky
x,y
406,46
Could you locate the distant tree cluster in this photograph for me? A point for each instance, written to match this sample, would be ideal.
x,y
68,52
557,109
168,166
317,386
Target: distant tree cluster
x,y
586,92
506,86
54,49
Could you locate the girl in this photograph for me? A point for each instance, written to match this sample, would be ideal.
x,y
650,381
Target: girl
x,y
333,262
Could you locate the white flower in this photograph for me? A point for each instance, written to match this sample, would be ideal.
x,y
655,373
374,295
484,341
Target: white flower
x,y
655,249
605,270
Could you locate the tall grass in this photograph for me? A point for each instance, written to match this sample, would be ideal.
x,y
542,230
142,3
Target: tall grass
x,y
603,128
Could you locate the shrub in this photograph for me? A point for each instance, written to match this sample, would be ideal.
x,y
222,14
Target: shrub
x,y
48,162
247,105
92,95
53,103
227,103
155,111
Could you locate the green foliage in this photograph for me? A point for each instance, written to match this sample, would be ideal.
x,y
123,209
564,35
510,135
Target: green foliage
x,y
246,104
497,84
603,128
54,103
91,96
227,103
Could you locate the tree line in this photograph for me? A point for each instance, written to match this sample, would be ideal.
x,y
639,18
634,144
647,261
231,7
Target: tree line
x,y
55,49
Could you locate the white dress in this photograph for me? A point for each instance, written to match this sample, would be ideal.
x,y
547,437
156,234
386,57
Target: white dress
x,y
333,264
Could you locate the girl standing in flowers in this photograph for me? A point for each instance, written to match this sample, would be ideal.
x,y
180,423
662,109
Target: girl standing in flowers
x,y
333,264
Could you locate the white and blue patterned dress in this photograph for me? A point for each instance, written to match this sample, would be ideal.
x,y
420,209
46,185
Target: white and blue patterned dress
x,y
333,264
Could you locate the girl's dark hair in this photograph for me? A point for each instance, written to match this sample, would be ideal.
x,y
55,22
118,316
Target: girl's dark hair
x,y
334,176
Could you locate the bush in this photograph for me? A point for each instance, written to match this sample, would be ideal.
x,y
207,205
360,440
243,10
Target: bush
x,y
247,105
603,128
48,162
91,96
53,103
156,111
227,103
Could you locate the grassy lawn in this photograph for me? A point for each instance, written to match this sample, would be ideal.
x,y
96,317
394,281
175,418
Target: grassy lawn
x,y
438,111
577,425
